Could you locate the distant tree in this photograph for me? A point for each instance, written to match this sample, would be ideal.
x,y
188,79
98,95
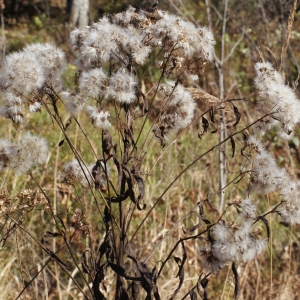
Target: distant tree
x,y
79,12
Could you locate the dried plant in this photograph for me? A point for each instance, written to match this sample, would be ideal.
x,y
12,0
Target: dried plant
x,y
112,57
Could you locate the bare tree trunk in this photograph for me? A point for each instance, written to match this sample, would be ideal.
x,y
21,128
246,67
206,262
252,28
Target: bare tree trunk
x,y
219,62
79,13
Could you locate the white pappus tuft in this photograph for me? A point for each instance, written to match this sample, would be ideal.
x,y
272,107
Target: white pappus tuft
x,y
266,175
179,109
99,118
235,242
22,73
74,103
52,60
74,172
277,99
91,82
122,86
22,156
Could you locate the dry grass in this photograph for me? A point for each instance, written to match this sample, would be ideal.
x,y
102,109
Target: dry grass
x,y
273,275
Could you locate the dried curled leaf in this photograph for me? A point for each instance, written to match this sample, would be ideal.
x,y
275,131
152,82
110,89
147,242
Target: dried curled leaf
x,y
148,278
180,274
237,115
107,144
141,186
205,125
193,295
232,145
159,132
96,283
61,143
84,263
266,223
202,283
97,172
200,95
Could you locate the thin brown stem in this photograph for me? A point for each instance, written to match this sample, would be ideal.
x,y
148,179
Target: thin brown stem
x,y
188,167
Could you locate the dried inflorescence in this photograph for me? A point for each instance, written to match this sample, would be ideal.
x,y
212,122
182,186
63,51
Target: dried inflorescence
x,y
73,172
177,112
267,177
276,99
22,156
24,201
31,197
134,33
7,206
233,241
25,74
108,53
98,117
124,41
91,82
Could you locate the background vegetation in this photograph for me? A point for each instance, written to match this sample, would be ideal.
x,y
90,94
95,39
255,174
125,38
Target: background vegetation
x,y
255,29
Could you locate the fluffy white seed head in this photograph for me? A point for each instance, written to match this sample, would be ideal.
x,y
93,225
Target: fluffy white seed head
x,y
179,112
35,106
239,244
122,86
91,82
266,75
276,99
98,117
191,40
73,172
290,212
74,103
13,112
22,156
247,209
211,262
221,232
32,150
266,175
141,54
22,73
52,60
11,99
136,33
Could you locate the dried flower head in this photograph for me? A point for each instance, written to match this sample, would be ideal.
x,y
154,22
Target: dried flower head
x,y
277,99
178,110
122,86
21,156
98,117
73,172
52,60
266,175
91,82
22,73
235,242
74,103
